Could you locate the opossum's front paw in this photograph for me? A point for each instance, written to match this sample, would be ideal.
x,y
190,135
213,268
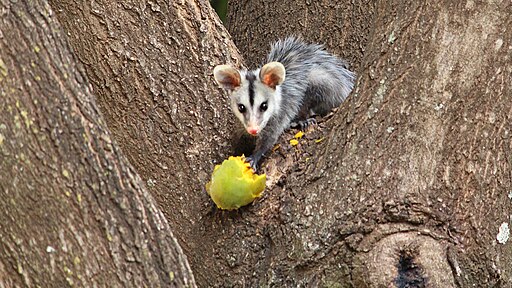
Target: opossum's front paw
x,y
253,162
303,124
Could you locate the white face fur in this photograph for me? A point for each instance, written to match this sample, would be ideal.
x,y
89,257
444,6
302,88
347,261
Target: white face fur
x,y
266,102
255,95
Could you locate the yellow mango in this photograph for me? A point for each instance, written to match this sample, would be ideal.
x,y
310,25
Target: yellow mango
x,y
234,184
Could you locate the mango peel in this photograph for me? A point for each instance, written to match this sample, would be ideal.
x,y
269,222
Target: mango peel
x,y
234,184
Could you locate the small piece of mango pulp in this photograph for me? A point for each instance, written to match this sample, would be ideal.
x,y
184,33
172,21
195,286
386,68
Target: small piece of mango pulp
x,y
299,135
234,184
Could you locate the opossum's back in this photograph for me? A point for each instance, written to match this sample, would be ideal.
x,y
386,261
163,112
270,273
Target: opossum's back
x,y
294,53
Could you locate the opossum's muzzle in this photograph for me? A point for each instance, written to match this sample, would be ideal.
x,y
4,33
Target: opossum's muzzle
x,y
253,130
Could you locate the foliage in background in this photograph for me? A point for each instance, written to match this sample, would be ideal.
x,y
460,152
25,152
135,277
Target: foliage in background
x,y
221,7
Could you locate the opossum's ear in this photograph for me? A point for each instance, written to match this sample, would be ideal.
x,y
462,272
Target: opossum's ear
x,y
226,76
272,74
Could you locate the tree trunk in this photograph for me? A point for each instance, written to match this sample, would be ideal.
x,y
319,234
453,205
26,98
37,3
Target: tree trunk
x,y
151,67
343,26
409,184
412,184
74,211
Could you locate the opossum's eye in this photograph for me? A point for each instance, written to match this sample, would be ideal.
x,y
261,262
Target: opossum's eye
x,y
264,106
241,108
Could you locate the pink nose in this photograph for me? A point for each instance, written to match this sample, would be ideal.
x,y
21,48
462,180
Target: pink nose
x,y
252,130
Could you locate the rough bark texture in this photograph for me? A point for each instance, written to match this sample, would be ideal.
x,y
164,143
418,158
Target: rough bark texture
x,y
410,181
74,213
151,68
343,26
413,182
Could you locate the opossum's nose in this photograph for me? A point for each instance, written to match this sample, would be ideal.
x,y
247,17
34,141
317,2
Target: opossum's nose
x,y
252,130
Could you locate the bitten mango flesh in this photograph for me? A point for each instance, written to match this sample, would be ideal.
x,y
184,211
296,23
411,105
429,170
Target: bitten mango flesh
x,y
234,184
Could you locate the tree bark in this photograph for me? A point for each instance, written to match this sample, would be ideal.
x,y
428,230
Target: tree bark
x,y
74,211
151,67
413,181
408,185
343,26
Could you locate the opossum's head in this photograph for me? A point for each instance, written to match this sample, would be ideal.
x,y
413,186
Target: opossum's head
x,y
255,95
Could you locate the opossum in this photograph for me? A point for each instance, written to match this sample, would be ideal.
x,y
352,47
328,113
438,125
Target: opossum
x,y
299,80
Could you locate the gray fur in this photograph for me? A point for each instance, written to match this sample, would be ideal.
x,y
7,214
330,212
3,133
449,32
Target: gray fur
x,y
316,81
